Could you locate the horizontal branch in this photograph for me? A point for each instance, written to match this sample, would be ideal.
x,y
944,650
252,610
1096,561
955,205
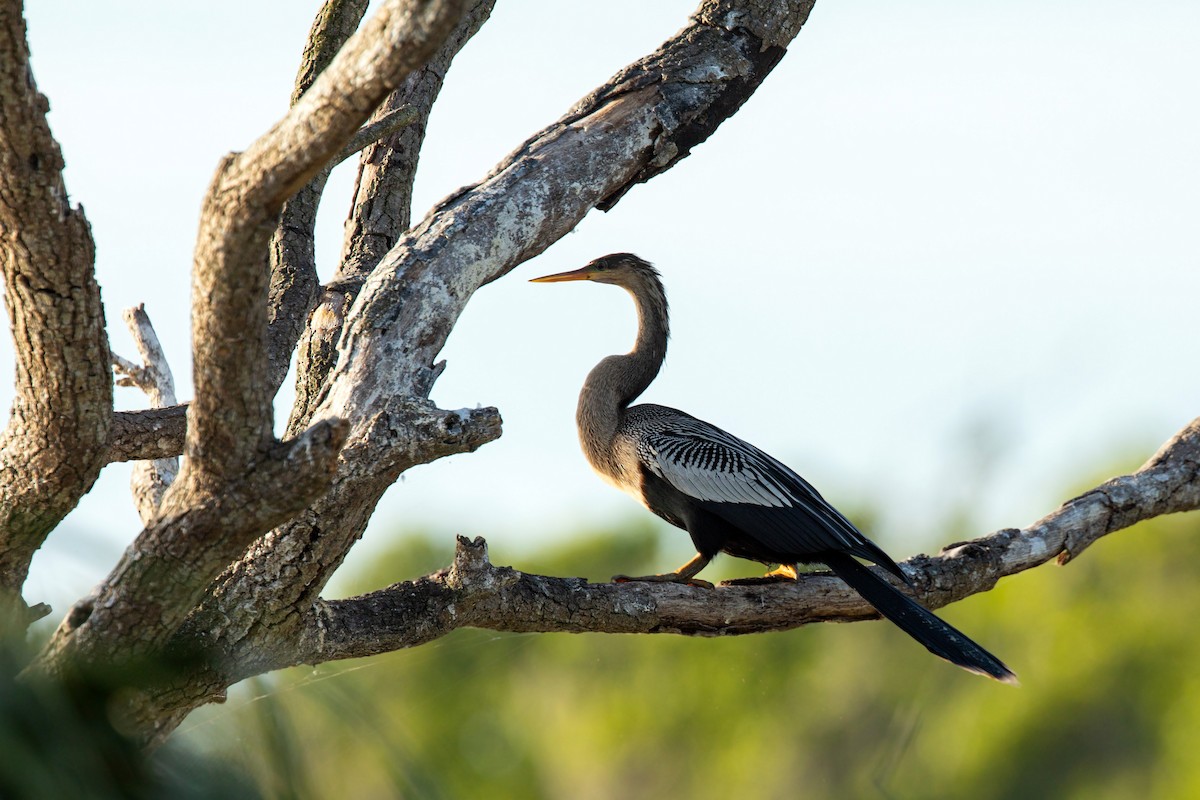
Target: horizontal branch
x,y
475,593
147,434
250,598
334,521
1169,481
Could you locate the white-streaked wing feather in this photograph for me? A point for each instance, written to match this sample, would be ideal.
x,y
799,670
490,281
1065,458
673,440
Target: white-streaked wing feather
x,y
706,463
700,466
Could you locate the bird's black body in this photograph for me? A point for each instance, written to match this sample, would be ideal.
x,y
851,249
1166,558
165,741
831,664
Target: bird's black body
x,y
730,496
798,522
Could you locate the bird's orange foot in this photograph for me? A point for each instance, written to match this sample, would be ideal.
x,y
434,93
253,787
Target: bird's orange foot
x,y
670,577
785,573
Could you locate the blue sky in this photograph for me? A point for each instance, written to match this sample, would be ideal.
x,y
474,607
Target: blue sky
x,y
944,257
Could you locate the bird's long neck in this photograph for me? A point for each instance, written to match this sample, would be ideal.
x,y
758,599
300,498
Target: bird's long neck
x,y
617,381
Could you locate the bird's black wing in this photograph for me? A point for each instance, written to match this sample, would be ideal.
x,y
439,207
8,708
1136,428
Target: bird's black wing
x,y
785,515
745,486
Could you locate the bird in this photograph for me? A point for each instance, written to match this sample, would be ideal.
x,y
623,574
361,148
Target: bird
x,y
730,496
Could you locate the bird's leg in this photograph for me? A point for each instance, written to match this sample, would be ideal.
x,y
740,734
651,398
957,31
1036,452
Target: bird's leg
x,y
784,572
685,574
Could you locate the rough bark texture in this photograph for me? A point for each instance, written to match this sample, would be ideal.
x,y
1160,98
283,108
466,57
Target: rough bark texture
x,y
294,284
382,207
474,593
382,210
225,580
238,482
152,433
56,439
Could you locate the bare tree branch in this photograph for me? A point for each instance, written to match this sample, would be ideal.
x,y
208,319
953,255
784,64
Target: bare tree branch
x,y
1168,482
382,209
761,30
294,288
154,377
229,279
383,192
150,479
387,123
149,592
56,439
147,434
474,593
647,118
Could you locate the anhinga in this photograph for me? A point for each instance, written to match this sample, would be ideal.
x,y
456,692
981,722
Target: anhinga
x,y
727,494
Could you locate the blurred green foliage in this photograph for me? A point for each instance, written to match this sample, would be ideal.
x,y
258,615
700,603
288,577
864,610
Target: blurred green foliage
x,y
1106,648
63,739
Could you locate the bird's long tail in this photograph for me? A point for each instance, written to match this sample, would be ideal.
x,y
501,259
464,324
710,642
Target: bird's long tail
x,y
940,638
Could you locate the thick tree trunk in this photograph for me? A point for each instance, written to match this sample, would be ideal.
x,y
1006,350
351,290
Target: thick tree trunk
x,y
57,436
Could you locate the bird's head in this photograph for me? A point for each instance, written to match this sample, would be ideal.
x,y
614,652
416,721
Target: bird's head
x,y
620,269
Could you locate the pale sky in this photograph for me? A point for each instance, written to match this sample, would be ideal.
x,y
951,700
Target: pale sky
x,y
945,257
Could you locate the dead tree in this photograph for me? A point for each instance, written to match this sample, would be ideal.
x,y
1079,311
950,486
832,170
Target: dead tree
x,y
240,538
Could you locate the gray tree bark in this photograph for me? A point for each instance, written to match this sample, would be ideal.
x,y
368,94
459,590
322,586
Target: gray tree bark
x,y
225,580
54,445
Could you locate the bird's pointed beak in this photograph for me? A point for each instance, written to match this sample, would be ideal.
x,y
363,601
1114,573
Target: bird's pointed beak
x,y
582,274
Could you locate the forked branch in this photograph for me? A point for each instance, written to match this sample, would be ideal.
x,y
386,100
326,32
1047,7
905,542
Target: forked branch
x,y
238,481
150,478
